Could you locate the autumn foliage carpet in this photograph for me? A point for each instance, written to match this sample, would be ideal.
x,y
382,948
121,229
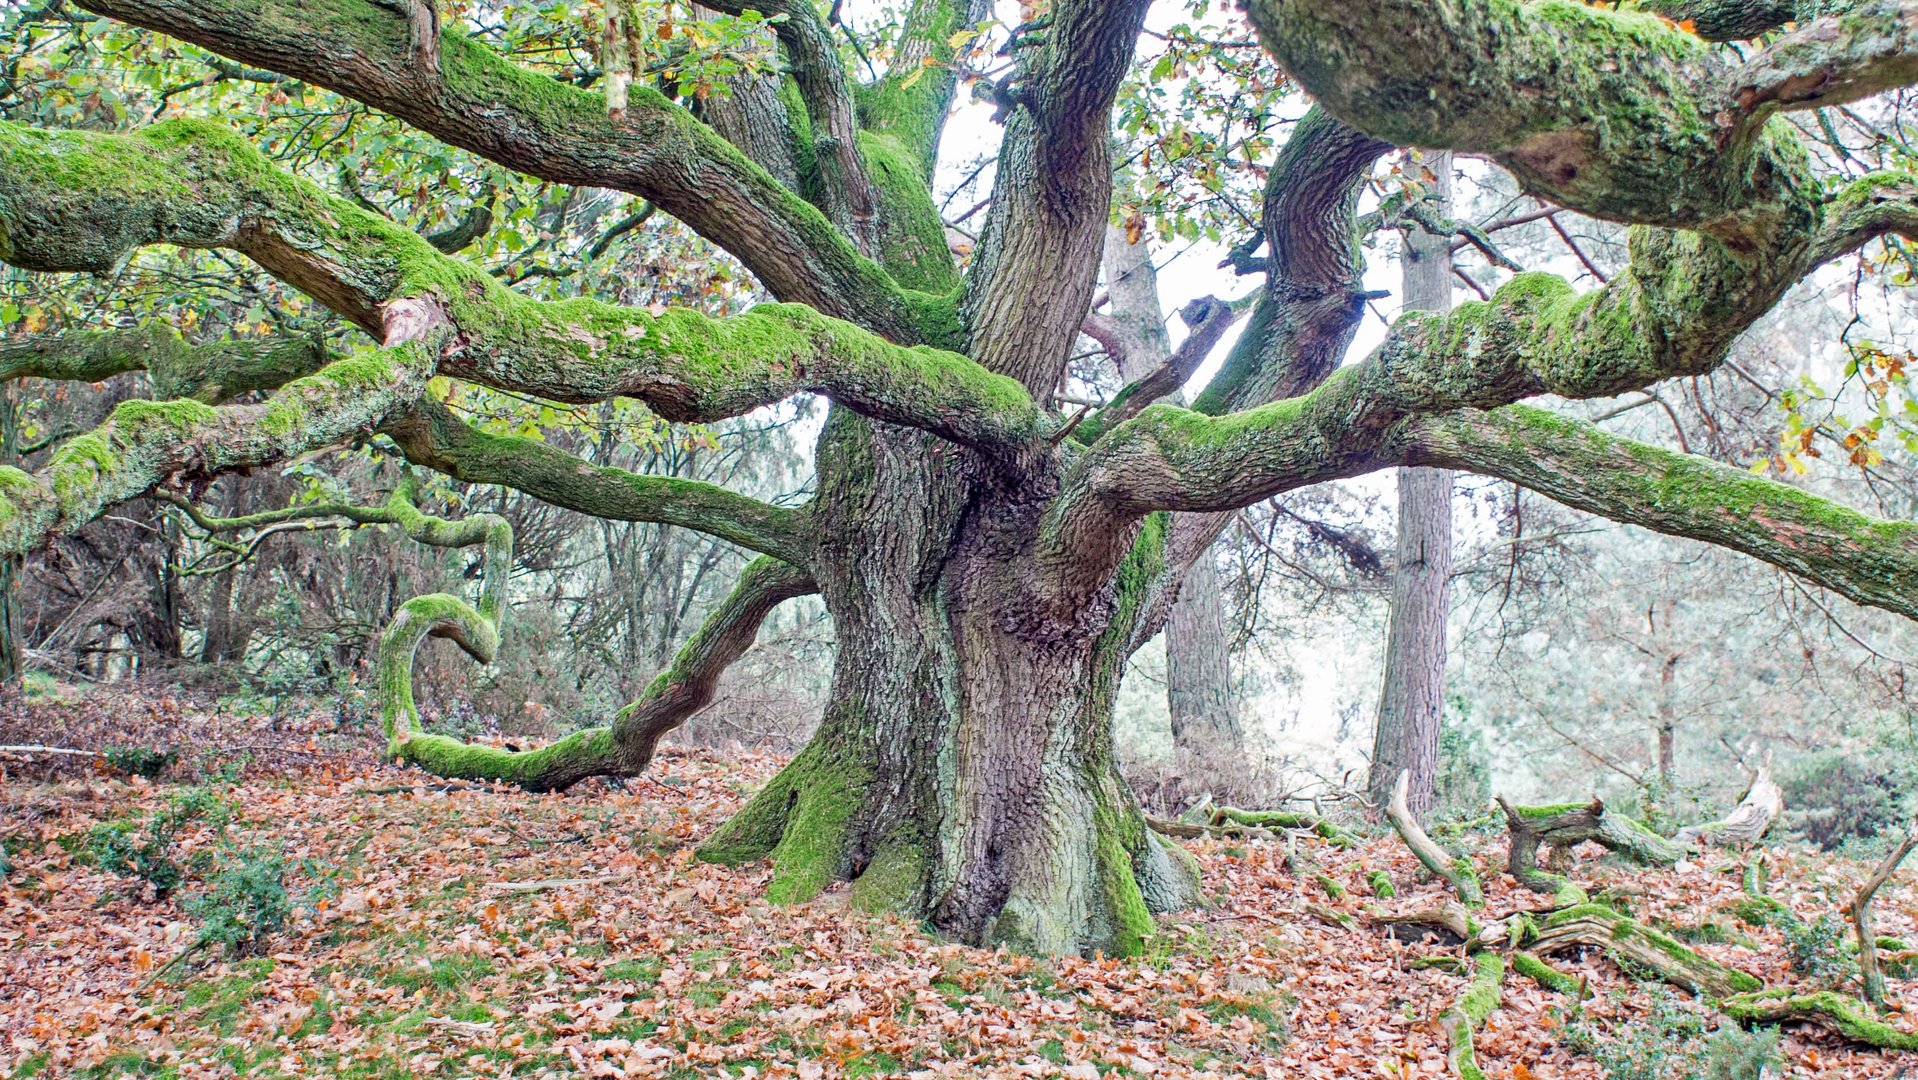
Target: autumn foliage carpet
x,y
493,933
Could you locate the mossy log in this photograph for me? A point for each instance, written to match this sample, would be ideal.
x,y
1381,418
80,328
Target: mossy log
x,y
1832,1011
1325,828
1381,883
1529,965
1254,824
1595,926
1563,827
1481,997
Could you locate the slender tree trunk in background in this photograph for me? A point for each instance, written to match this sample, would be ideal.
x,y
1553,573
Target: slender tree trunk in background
x,y
222,627
1667,726
1198,676
1204,708
10,564
1412,700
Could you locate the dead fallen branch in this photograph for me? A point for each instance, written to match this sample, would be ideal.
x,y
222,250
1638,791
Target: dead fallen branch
x,y
1450,919
1185,830
1458,873
1874,979
554,883
1564,826
1481,997
47,751
1832,1011
1748,821
1595,926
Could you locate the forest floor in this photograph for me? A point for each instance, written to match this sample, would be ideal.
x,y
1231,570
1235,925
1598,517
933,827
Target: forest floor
x,y
492,932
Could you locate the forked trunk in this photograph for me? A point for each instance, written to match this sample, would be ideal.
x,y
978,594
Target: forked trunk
x,y
963,772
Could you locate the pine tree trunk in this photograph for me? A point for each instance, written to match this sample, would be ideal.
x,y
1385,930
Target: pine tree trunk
x,y
1412,700
963,772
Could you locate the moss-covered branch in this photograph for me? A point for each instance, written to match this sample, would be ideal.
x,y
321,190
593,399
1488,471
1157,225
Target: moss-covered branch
x,y
1618,114
1726,20
84,201
474,98
1529,965
1868,560
1473,1007
1829,1010
1597,926
475,629
144,444
212,373
622,749
1870,48
1674,311
434,437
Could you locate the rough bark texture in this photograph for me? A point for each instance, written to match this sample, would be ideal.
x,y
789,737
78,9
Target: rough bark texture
x,y
1412,700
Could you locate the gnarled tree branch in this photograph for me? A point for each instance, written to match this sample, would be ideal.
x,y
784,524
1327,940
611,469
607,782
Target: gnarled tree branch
x,y
199,185
478,100
213,372
432,436
144,444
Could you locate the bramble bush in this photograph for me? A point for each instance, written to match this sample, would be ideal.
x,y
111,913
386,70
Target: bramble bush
x,y
133,851
245,902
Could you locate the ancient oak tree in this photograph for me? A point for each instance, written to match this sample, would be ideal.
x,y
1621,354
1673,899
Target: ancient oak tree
x,y
989,562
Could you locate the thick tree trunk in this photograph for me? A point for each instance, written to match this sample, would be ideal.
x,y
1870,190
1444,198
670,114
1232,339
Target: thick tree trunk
x,y
1411,703
963,772
1200,699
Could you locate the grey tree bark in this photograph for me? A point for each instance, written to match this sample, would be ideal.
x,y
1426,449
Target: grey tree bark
x,y
1413,697
1204,709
